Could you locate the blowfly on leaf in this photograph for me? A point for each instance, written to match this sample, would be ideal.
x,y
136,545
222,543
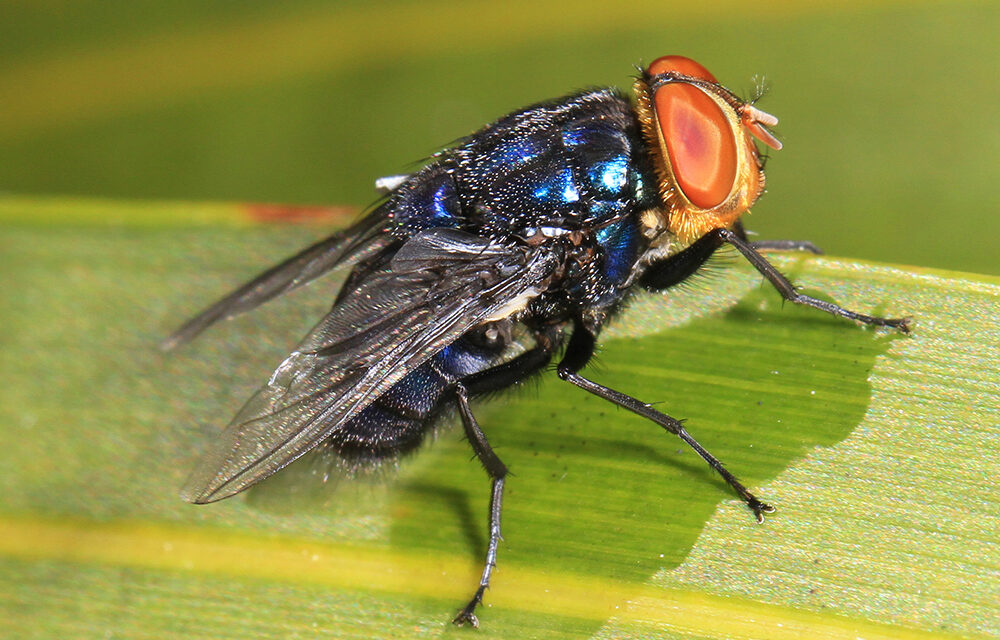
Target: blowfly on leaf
x,y
542,222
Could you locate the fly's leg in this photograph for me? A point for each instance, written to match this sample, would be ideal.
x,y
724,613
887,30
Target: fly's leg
x,y
788,292
787,245
674,270
776,245
508,373
677,268
497,472
498,377
579,352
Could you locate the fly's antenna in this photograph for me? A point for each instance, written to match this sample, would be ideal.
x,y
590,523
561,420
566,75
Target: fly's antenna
x,y
761,87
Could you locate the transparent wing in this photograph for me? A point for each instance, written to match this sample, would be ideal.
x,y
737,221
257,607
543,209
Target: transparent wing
x,y
439,285
350,245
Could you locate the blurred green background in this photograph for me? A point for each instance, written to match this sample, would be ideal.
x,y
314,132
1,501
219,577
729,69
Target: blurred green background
x,y
888,112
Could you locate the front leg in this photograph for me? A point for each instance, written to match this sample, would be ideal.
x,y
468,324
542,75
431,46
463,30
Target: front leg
x,y
679,267
776,245
787,245
787,289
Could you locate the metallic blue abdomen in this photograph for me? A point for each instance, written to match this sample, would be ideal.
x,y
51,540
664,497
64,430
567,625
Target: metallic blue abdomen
x,y
397,421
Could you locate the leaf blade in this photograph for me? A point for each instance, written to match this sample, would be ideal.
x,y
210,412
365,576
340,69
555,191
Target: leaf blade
x,y
104,441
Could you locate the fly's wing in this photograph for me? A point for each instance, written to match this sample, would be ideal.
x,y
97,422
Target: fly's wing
x,y
439,285
351,245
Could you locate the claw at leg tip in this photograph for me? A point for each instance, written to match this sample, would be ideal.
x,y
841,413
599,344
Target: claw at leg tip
x,y
759,509
465,616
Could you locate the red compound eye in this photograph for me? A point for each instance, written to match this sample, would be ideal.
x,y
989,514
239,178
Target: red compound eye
x,y
681,65
697,134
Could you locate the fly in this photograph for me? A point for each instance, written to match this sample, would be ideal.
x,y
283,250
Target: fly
x,y
543,221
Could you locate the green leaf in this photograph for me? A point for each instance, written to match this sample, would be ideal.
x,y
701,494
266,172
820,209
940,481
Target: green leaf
x,y
878,450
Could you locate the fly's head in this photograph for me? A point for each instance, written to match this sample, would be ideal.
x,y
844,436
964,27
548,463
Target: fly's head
x,y
700,135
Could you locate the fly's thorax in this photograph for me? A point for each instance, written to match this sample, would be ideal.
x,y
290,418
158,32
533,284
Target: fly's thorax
x,y
552,235
661,242
700,141
553,169
597,268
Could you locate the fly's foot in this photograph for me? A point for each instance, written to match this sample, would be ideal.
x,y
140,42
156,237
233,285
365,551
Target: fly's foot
x,y
759,508
905,325
468,614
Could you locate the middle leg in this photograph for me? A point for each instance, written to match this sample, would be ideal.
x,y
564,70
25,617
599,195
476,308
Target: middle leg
x,y
578,353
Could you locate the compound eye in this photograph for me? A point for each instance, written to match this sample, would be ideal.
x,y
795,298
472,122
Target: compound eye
x,y
680,65
699,141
